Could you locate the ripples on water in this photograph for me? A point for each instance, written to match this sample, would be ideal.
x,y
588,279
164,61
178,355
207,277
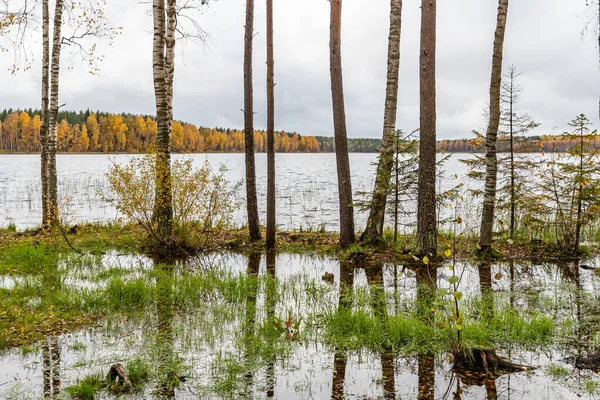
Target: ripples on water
x,y
306,186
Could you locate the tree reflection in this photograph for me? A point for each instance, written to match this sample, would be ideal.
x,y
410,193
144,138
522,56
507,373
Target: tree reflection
x,y
51,367
167,368
340,358
485,287
270,299
426,287
250,322
379,305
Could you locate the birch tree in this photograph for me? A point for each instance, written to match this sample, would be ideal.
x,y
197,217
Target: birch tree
x,y
163,67
374,229
168,20
85,22
339,127
50,140
491,161
45,109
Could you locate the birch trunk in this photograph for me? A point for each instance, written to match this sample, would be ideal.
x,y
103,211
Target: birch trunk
x,y
53,114
491,161
270,239
251,200
339,127
374,229
426,206
163,65
45,109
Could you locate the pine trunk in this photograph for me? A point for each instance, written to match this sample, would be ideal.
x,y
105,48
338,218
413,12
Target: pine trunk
x,y
53,115
513,200
270,239
426,206
374,229
45,110
163,52
491,161
251,198
339,127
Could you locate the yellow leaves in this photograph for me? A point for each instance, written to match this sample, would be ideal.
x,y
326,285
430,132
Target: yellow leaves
x,y
448,253
426,260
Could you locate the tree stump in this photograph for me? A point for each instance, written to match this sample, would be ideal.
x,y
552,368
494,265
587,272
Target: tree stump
x,y
591,361
486,361
118,374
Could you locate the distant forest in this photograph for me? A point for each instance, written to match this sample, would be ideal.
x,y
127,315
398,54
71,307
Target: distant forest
x,y
101,132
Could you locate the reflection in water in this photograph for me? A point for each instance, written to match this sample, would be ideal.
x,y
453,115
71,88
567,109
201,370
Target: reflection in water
x,y
485,286
270,299
51,366
379,304
306,371
250,322
339,357
51,352
164,338
426,286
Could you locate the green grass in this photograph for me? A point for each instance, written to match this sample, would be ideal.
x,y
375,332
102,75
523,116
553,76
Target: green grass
x,y
557,372
139,372
87,387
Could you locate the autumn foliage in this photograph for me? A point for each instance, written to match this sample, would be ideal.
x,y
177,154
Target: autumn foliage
x,y
107,133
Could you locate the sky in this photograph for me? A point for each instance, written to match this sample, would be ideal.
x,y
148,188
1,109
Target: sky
x,y
544,41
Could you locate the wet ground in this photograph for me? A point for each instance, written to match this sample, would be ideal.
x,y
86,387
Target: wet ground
x,y
261,326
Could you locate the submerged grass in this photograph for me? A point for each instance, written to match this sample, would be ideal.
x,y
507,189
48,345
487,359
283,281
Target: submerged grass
x,y
86,388
250,321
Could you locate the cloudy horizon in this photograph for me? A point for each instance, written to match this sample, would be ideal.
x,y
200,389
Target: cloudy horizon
x,y
544,41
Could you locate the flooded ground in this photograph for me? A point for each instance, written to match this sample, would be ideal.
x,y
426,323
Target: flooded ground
x,y
265,326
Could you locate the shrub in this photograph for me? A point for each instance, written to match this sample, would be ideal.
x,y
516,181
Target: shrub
x,y
202,199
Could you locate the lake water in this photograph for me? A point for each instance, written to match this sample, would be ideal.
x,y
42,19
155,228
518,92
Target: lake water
x,y
306,186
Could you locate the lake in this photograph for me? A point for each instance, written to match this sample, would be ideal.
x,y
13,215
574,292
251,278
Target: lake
x,y
306,186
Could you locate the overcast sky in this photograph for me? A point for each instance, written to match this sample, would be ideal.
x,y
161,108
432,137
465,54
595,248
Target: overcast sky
x,y
543,40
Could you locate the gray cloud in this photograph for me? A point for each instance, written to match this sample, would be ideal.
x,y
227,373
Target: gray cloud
x,y
560,70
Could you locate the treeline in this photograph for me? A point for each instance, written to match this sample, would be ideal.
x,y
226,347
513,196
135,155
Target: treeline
x,y
87,131
101,132
524,144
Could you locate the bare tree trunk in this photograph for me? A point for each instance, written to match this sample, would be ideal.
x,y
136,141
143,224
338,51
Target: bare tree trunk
x,y
163,66
45,109
339,127
579,221
426,207
53,114
396,185
512,156
374,229
270,240
251,200
491,161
